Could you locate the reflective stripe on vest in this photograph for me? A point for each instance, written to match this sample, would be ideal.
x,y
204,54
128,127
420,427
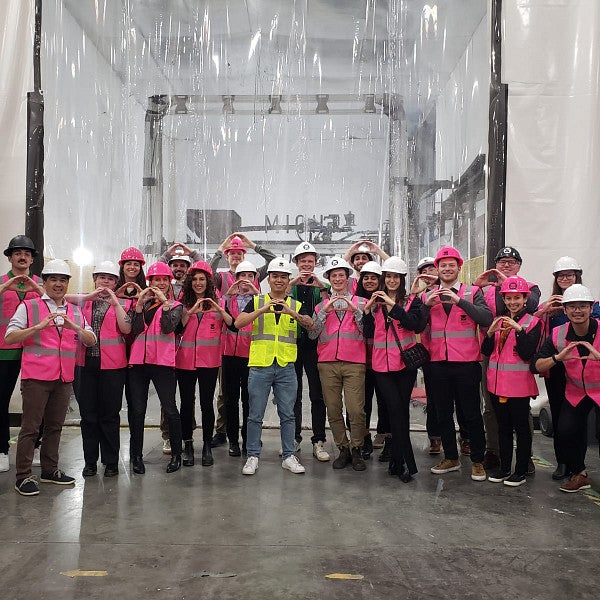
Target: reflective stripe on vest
x,y
387,357
583,376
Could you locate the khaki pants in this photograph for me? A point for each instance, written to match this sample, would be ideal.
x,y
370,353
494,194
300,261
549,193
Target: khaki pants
x,y
349,378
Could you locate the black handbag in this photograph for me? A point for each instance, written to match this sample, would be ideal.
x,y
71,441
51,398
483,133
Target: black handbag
x,y
414,357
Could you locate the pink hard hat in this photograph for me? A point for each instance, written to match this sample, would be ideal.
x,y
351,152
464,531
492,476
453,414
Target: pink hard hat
x,y
157,269
201,265
236,244
132,253
514,284
448,252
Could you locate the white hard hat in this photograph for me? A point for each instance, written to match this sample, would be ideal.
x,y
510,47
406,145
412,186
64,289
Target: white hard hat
x,y
577,293
428,261
335,262
394,264
56,267
371,267
245,267
279,265
108,267
362,249
304,248
566,263
183,257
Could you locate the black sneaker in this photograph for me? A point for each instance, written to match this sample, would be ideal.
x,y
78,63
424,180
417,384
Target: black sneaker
x,y
498,476
27,487
515,480
219,439
58,478
358,464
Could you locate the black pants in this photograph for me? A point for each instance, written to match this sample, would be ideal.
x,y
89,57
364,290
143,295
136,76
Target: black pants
x,y
555,387
372,387
307,360
9,373
235,372
165,384
572,428
396,388
513,416
457,383
207,382
100,395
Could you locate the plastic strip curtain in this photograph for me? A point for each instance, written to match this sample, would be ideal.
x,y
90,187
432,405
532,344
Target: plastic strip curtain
x,y
325,120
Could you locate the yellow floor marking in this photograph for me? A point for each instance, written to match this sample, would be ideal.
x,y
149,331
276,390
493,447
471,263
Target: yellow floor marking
x,y
79,573
344,576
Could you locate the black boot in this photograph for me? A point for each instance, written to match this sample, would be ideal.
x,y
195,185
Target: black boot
x,y
367,448
138,465
174,463
386,453
207,457
234,449
188,453
560,473
358,464
343,459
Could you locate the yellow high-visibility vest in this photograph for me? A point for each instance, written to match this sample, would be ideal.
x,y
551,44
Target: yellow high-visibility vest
x,y
272,340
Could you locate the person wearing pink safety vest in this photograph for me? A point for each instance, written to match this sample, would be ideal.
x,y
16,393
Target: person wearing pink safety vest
x,y
510,342
156,320
236,351
49,330
508,263
456,311
15,286
342,362
234,248
199,355
576,346
393,323
101,371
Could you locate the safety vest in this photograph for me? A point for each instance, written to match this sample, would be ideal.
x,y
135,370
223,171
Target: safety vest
x,y
490,296
236,343
270,340
151,346
113,352
583,376
508,374
352,285
386,354
8,305
454,337
49,354
341,340
200,345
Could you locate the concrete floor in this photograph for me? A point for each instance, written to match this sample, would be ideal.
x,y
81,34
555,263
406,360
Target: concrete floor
x,y
209,532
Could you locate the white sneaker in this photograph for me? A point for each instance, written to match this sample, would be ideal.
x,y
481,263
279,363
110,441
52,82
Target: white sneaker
x,y
4,464
320,453
251,466
36,458
291,463
166,446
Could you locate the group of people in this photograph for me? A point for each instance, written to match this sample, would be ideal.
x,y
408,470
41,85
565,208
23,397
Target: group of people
x,y
357,331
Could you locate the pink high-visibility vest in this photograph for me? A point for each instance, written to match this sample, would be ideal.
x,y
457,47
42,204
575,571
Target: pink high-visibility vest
x,y
49,355
8,305
236,343
583,376
454,337
200,345
508,374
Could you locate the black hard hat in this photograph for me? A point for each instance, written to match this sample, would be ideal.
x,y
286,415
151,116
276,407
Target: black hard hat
x,y
20,242
508,252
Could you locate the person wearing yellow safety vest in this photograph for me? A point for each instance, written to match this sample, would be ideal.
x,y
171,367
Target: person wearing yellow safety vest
x,y
574,345
456,312
275,318
342,362
49,329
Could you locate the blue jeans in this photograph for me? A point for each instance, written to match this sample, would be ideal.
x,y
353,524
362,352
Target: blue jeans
x,y
284,383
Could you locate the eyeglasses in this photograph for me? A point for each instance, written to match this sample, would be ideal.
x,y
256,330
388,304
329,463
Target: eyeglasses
x,y
508,263
566,275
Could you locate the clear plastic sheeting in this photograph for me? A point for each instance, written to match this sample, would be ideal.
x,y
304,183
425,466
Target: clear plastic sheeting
x,y
326,120
553,135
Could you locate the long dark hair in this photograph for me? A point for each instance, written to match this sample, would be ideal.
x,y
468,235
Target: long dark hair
x,y
401,293
188,296
360,290
556,289
140,279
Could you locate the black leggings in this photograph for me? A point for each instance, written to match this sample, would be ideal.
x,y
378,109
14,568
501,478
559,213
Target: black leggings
x,y
207,382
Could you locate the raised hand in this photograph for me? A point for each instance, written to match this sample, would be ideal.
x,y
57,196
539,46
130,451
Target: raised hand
x,y
129,290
